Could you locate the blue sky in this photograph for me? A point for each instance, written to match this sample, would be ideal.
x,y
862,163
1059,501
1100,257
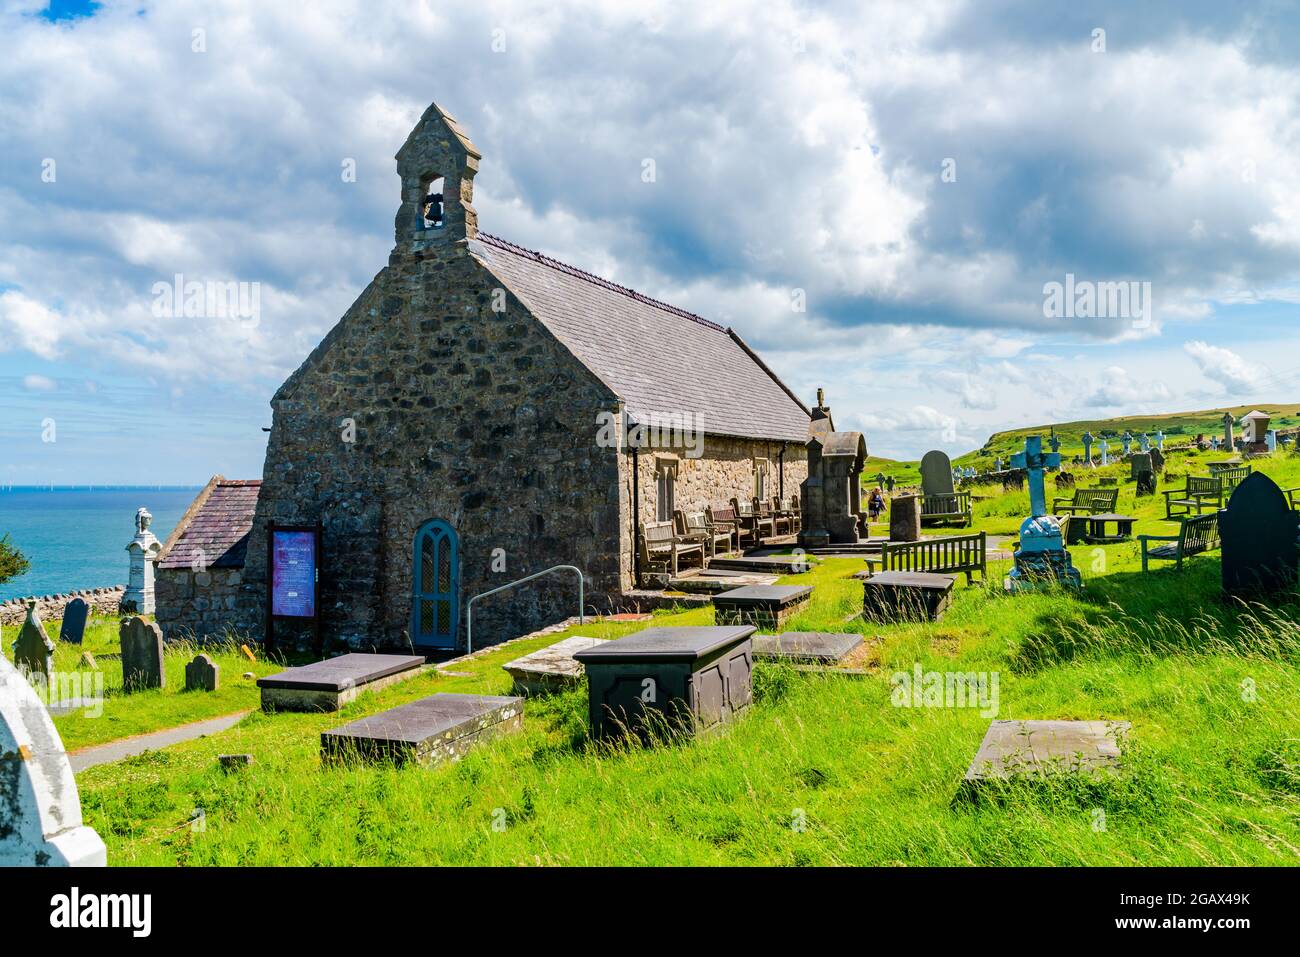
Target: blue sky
x,y
916,173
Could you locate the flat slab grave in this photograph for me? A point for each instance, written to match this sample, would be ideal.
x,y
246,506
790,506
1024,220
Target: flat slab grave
x,y
771,564
428,732
330,684
552,668
906,596
763,606
669,681
806,647
1020,748
713,581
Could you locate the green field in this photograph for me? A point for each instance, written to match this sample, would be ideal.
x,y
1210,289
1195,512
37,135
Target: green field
x,y
824,769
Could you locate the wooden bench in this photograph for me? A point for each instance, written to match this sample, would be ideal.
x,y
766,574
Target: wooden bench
x,y
946,507
751,522
696,526
768,511
1201,492
725,515
1232,477
947,555
660,544
1199,533
1089,501
788,508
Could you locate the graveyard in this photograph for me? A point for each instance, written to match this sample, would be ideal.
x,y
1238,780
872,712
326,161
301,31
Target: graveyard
x,y
826,765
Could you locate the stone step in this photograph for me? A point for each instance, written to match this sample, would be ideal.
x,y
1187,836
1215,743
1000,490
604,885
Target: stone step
x,y
428,732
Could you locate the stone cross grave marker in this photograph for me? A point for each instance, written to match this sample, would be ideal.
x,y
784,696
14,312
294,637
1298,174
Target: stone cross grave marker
x,y
1128,441
33,650
1227,429
40,810
1144,442
1160,439
1054,442
1104,448
202,674
1259,532
1087,448
1041,558
142,655
73,628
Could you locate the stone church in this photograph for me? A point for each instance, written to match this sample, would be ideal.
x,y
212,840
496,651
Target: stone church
x,y
483,412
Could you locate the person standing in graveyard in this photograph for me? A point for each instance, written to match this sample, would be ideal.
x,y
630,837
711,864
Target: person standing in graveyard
x,y
876,503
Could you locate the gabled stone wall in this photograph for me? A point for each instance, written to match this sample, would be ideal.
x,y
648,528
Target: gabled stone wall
x,y
455,411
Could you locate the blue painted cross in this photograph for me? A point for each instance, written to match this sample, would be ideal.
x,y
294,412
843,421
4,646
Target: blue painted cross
x,y
1035,461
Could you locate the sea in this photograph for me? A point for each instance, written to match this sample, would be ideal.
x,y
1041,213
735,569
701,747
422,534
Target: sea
x,y
76,536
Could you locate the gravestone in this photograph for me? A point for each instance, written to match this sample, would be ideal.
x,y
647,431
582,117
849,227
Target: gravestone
x,y
763,606
831,496
1128,442
1215,443
1104,447
1259,532
905,519
1144,442
889,483
1065,480
1157,461
1160,440
936,473
997,464
142,655
202,674
1035,748
1087,448
1053,442
428,732
552,668
1227,431
1041,558
143,551
688,679
330,684
40,810
1142,471
73,628
33,650
1270,440
806,647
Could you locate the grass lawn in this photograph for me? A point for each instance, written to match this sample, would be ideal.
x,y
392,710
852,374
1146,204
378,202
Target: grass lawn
x,y
823,770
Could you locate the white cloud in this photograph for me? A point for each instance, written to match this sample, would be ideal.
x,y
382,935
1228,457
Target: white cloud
x,y
39,383
1229,370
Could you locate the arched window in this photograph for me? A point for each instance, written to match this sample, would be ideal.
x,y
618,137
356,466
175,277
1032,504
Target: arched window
x,y
435,585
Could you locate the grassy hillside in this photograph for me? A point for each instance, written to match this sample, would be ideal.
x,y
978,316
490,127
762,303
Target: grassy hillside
x,y
1179,427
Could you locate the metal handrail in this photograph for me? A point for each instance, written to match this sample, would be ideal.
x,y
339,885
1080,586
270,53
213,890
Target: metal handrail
x,y
469,607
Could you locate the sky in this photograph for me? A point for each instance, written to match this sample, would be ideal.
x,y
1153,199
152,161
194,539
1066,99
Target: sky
x,y
887,200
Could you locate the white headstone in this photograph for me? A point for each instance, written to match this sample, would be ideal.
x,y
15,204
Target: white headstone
x,y
144,550
40,810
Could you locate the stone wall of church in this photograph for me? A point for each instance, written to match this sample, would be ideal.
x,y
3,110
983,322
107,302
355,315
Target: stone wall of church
x,y
425,403
724,469
199,605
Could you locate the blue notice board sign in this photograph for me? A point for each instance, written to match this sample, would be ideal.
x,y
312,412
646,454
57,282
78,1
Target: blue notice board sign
x,y
293,572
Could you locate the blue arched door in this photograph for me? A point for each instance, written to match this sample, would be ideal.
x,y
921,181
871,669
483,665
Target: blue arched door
x,y
435,583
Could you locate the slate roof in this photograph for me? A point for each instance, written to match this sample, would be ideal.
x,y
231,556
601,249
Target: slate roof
x,y
218,523
655,357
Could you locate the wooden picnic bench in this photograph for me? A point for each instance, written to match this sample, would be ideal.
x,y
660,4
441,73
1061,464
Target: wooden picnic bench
x,y
1199,533
697,527
783,509
661,545
1089,501
767,510
1200,492
751,521
946,555
939,507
